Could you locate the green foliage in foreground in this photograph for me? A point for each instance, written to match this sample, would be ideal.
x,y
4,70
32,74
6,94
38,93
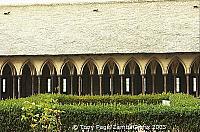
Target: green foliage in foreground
x,y
118,99
56,112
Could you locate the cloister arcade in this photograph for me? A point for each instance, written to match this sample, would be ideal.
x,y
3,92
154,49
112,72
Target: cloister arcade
x,y
22,76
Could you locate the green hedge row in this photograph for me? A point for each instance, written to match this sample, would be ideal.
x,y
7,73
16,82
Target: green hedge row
x,y
53,113
118,99
178,117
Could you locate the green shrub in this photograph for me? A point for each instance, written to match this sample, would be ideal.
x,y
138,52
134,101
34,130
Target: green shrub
x,y
54,112
117,99
187,119
184,100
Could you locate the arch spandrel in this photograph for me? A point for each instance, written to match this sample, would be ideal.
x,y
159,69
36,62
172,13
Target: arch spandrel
x,y
100,64
38,66
16,64
153,62
129,61
188,61
58,67
31,67
112,61
195,66
178,61
91,64
71,65
51,66
12,66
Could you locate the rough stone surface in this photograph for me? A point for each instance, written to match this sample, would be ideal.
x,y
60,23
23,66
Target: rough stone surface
x,y
147,27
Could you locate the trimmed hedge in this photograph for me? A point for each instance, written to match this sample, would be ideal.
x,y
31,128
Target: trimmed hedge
x,y
60,112
117,99
184,118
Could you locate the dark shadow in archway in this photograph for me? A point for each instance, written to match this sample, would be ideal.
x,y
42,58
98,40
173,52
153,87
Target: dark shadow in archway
x,y
159,80
179,75
26,82
134,78
46,80
107,80
149,84
7,83
69,82
194,78
157,76
170,81
87,76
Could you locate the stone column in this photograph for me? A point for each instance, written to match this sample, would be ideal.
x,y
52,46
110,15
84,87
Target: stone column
x,y
59,84
71,84
79,85
197,85
52,84
174,83
91,84
19,86
100,84
0,87
111,84
165,82
39,83
122,84
14,96
32,84
143,85
187,83
153,83
132,84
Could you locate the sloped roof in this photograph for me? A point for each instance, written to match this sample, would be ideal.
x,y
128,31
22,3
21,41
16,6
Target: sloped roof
x,y
148,27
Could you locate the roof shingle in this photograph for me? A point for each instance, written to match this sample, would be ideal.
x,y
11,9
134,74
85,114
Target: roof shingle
x,y
148,27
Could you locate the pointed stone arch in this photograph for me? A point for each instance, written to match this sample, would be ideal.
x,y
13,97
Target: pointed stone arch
x,y
194,77
70,64
69,78
91,63
90,78
154,60
154,76
27,79
132,78
175,61
176,79
111,79
9,80
50,65
14,72
31,67
132,59
195,66
111,62
49,80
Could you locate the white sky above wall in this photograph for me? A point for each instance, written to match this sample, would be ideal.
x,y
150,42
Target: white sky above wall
x,y
22,2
